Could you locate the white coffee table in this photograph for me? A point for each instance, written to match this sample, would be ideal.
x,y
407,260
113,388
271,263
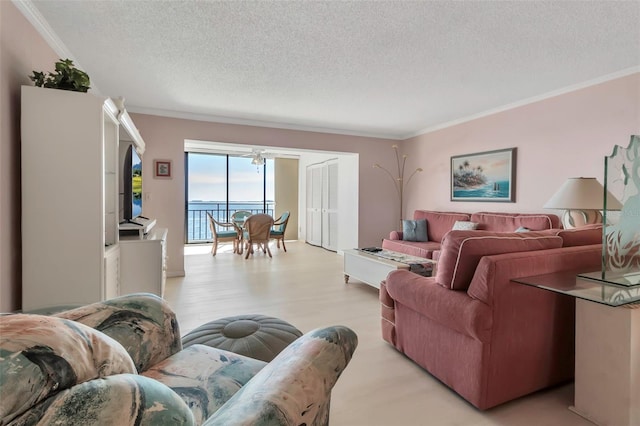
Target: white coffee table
x,y
372,268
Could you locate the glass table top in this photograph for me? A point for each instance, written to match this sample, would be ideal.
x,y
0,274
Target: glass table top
x,y
577,284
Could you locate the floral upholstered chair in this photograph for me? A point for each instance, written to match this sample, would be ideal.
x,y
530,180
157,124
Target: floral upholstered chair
x,y
121,362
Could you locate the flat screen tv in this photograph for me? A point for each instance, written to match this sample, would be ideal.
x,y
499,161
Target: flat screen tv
x,y
132,185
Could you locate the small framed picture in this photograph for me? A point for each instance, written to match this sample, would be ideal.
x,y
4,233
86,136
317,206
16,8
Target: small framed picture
x,y
162,169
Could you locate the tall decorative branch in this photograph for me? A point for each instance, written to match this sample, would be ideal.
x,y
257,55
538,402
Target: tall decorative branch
x,y
399,182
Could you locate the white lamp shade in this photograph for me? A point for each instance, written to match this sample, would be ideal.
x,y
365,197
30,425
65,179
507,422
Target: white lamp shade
x,y
582,194
257,160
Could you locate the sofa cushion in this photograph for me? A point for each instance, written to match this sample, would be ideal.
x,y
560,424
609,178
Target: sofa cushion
x,y
583,236
462,250
205,377
41,356
439,223
412,248
414,230
464,225
509,222
121,399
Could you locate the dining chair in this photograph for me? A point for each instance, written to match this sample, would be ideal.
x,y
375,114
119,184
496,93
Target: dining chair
x,y
220,236
279,228
237,219
257,230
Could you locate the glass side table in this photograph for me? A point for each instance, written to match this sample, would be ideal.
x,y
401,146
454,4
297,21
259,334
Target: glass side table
x,y
607,354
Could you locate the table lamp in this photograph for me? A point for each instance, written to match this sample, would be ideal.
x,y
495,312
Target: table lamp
x,y
582,199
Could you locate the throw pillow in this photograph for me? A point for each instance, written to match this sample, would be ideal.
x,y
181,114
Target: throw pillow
x,y
463,225
414,230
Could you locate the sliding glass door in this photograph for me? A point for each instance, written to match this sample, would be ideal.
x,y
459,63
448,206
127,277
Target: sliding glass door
x,y
221,185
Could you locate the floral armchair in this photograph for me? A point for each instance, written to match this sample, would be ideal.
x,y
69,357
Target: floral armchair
x,y
121,362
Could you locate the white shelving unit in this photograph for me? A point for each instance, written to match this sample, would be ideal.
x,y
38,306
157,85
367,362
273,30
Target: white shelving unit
x,y
70,172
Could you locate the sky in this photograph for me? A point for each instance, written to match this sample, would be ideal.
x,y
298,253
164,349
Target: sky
x,y
495,165
207,178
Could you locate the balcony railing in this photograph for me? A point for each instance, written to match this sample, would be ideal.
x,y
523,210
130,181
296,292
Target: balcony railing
x,y
198,226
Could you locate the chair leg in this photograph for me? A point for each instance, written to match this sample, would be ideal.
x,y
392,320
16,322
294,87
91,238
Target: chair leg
x,y
268,251
283,246
214,249
249,249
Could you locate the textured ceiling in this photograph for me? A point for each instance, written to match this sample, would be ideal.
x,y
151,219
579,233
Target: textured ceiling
x,y
385,68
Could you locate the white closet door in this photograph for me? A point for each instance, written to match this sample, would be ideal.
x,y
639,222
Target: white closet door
x,y
314,205
330,206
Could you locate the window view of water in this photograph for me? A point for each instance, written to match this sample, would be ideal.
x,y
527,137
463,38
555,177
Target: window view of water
x,y
197,222
212,177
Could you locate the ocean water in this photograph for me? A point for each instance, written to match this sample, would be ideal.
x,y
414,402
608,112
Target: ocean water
x,y
487,191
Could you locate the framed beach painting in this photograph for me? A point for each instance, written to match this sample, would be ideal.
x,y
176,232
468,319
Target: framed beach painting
x,y
484,176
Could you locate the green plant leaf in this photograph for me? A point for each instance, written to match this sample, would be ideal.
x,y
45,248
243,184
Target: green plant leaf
x,y
65,77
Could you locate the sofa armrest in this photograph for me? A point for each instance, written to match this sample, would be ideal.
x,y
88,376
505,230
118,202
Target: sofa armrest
x,y
122,399
454,309
141,322
294,388
395,235
494,273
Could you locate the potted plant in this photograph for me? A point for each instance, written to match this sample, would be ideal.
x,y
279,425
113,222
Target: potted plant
x,y
66,77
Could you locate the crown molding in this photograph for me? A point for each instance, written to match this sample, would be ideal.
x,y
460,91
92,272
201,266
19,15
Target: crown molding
x,y
564,90
259,123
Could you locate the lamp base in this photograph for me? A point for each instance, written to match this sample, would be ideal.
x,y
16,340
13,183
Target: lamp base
x,y
576,218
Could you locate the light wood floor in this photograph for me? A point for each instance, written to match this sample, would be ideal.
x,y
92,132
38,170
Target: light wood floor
x,y
305,287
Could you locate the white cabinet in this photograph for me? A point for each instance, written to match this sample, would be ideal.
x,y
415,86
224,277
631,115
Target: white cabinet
x,y
143,262
69,196
70,181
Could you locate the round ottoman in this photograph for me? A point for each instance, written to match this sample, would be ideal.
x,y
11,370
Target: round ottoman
x,y
256,336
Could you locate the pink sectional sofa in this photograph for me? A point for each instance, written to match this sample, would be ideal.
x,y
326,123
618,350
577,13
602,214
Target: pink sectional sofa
x,y
488,338
439,223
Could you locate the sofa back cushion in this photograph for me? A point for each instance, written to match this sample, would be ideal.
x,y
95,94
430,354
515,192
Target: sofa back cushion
x,y
439,223
462,250
509,222
583,236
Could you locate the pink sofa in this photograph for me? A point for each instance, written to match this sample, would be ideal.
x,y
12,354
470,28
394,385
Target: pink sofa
x,y
488,338
439,223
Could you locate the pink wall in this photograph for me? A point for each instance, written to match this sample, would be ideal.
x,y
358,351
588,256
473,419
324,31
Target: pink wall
x,y
557,138
164,138
22,50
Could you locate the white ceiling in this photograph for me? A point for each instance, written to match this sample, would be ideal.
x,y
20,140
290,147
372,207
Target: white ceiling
x,y
385,68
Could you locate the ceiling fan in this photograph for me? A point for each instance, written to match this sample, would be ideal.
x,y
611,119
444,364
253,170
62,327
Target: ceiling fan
x,y
258,156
